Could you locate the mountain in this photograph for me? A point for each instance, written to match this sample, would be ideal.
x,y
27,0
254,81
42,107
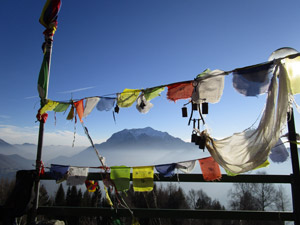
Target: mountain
x,y
146,138
134,147
10,164
8,149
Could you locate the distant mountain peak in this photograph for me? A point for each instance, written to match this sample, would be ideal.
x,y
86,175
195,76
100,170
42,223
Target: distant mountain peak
x,y
135,134
4,143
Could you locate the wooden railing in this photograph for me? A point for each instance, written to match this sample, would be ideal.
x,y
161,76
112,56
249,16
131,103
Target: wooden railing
x,y
183,213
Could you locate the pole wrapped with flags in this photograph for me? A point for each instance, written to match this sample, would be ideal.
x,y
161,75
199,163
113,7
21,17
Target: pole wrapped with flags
x,y
48,19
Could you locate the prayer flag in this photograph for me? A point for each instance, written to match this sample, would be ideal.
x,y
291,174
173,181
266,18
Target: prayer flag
x,y
120,175
91,185
49,15
71,113
106,104
43,79
90,104
108,200
180,91
151,93
79,108
187,166
50,105
209,87
210,169
292,67
167,170
279,152
59,172
61,107
128,97
142,105
77,175
143,178
253,80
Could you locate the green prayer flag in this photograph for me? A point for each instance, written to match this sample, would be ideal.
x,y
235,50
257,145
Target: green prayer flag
x,y
120,175
61,107
44,78
153,92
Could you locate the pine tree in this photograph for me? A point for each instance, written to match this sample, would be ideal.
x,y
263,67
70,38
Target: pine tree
x,y
44,199
60,196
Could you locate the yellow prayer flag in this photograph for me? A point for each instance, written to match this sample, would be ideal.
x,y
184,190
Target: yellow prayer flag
x,y
107,197
142,178
292,67
49,106
128,97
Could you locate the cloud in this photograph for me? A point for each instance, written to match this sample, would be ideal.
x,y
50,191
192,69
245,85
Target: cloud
x,y
4,116
30,97
19,135
76,90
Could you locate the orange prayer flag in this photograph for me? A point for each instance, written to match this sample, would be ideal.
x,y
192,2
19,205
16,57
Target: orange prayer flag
x,y
210,169
79,108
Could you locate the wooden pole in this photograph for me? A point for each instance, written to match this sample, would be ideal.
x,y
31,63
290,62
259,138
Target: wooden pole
x,y
48,52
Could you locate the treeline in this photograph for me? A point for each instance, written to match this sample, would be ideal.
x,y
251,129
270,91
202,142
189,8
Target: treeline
x,y
242,196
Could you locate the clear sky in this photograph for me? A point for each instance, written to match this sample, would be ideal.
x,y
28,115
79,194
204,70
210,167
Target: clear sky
x,y
104,46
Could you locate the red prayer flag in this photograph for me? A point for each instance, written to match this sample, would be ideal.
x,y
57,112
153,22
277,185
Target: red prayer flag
x,y
210,169
180,91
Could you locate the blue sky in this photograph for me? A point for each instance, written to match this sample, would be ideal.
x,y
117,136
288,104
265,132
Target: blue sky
x,y
106,46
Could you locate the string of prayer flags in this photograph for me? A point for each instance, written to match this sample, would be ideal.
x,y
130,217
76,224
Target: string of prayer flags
x,y
91,185
120,175
209,86
210,169
178,91
187,166
50,105
128,97
292,67
253,80
90,104
245,151
106,104
59,172
79,108
167,170
77,175
142,178
151,93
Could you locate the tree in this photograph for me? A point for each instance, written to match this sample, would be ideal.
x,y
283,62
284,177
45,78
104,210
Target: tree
x,y
73,198
44,199
6,187
282,202
203,201
265,194
242,197
257,196
86,199
60,196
